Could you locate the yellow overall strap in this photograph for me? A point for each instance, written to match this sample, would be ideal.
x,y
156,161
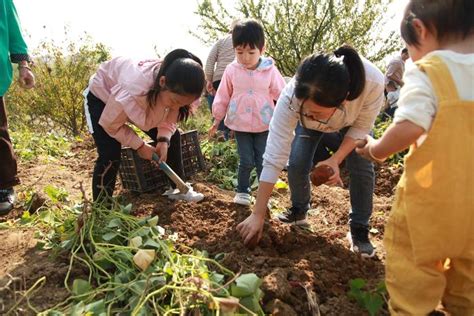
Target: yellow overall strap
x,y
440,78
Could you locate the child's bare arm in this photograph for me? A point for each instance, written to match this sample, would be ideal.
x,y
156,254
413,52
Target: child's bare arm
x,y
396,138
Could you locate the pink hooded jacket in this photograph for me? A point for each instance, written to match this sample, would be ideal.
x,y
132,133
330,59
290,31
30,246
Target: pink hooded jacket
x,y
245,97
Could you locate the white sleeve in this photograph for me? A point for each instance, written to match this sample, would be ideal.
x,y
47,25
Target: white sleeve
x,y
280,136
417,102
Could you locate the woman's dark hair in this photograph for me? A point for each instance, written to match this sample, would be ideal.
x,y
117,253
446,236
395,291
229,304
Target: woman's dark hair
x,y
444,18
329,79
184,76
248,32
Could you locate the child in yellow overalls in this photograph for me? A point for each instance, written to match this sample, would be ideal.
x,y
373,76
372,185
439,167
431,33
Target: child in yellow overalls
x,y
429,237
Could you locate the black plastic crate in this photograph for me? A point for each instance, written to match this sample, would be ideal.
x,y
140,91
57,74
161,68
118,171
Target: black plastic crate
x,y
140,175
193,161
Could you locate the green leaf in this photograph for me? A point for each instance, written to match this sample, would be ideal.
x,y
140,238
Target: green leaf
x,y
98,308
80,287
40,245
25,217
78,309
109,236
217,277
357,283
138,286
167,268
153,221
245,285
381,287
158,281
144,231
374,303
48,217
116,222
124,256
55,194
251,302
127,209
151,244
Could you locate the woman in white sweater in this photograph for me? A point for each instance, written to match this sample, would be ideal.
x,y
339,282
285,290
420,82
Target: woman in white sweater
x,y
335,92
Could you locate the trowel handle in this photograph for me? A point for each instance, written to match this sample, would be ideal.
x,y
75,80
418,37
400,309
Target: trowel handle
x,y
183,188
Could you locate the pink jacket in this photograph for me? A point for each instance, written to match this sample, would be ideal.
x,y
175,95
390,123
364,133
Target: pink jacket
x,y
245,97
122,85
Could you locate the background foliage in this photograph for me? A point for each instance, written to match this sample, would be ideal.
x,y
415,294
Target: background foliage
x,y
62,73
296,28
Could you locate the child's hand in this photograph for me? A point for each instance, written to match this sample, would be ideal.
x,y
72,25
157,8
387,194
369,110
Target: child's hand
x,y
364,148
210,88
145,151
212,130
162,151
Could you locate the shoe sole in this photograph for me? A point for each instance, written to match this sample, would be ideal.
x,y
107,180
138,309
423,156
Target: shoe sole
x,y
242,203
301,223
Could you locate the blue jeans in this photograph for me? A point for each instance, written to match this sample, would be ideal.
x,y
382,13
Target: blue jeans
x,y
361,172
221,127
250,147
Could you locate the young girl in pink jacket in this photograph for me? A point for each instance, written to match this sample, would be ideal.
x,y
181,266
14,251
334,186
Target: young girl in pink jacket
x,y
153,95
245,98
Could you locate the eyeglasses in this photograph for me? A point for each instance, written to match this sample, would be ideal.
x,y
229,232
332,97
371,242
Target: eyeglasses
x,y
305,116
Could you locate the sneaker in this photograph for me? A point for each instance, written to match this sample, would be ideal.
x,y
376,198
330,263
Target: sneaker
x,y
190,196
171,191
358,238
7,199
294,218
243,199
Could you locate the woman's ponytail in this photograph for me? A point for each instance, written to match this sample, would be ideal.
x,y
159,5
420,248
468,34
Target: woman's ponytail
x,y
356,70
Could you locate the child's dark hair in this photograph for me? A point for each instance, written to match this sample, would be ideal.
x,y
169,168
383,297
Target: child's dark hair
x,y
329,79
405,50
184,76
248,32
444,18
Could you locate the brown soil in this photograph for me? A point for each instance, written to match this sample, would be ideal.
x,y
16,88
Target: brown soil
x,y
287,258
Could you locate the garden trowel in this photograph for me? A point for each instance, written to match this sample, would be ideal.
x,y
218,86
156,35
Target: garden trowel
x,y
180,184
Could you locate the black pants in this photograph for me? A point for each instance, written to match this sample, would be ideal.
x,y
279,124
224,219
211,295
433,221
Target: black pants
x,y
109,149
8,166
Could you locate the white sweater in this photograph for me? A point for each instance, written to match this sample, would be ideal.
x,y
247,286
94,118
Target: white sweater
x,y
360,114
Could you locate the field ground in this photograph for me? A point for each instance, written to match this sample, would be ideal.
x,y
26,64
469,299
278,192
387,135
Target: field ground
x,y
296,264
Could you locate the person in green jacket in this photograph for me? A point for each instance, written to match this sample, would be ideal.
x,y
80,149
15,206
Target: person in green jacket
x,y
13,49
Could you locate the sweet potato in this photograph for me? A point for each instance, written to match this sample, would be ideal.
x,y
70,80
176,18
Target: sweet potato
x,y
321,174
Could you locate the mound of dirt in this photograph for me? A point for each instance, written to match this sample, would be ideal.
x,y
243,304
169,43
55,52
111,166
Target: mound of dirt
x,y
287,258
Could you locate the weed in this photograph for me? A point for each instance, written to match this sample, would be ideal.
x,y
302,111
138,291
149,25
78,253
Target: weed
x,y
371,300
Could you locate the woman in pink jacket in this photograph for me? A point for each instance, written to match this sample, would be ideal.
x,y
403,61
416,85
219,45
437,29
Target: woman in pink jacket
x,y
245,98
153,95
